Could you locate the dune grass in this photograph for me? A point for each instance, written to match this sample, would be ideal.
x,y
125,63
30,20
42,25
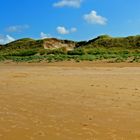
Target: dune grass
x,y
78,54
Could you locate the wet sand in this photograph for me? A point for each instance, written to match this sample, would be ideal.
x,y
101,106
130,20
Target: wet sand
x,y
70,102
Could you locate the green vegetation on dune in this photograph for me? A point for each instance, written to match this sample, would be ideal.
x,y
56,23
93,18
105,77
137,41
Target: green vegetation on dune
x,y
25,43
109,42
101,48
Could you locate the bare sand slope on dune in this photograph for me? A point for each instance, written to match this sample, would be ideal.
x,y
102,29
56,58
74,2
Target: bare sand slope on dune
x,y
69,103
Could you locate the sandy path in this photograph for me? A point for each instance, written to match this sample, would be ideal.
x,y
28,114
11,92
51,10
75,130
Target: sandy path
x,y
69,103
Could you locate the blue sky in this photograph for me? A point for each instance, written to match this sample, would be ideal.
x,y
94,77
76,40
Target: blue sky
x,y
68,19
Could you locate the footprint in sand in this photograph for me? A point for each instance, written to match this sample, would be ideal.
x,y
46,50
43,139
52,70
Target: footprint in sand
x,y
41,133
20,75
136,89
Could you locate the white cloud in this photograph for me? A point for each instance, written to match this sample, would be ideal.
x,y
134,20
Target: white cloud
x,y
6,39
17,28
73,29
62,30
68,3
94,18
43,35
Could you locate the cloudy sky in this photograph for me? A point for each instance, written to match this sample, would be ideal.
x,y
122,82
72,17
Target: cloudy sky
x,y
68,19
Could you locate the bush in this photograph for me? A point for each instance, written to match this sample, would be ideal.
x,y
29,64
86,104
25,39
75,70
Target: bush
x,y
23,53
78,51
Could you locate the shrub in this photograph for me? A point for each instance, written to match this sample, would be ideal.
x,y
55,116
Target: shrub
x,y
78,51
23,53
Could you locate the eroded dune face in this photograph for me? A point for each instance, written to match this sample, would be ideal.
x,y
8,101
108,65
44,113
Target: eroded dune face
x,y
69,103
52,43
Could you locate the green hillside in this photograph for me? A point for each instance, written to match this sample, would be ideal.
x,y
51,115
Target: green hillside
x,y
101,48
109,42
25,43
101,41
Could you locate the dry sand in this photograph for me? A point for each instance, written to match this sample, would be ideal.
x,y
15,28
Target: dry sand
x,y
70,102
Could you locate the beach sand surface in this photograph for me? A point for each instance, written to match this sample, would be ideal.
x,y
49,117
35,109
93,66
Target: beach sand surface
x,y
69,101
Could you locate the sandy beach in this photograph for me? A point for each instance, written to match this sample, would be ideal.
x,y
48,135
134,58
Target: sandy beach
x,y
70,101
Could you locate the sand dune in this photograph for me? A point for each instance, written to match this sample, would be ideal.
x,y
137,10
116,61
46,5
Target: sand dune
x,y
66,102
